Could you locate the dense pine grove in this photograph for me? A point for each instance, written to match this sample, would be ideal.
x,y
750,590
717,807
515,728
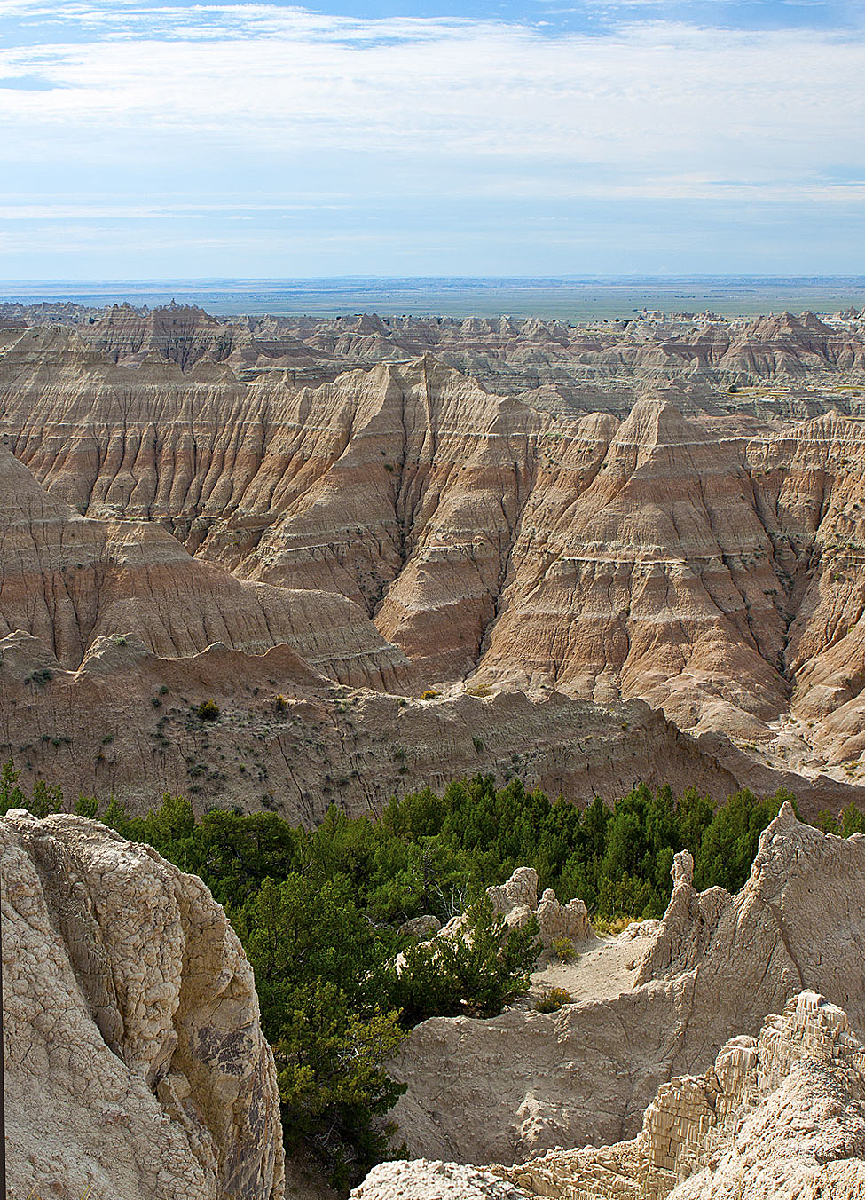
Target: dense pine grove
x,y
319,913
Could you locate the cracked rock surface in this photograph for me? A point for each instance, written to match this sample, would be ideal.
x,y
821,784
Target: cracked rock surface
x,y
776,1117
135,1062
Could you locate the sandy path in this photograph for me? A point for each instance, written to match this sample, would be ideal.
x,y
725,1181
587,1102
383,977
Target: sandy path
x,y
605,968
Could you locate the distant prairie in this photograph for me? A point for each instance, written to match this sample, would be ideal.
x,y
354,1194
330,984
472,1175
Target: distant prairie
x,y
577,299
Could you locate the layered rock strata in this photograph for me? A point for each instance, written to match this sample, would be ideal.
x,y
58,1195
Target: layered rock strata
x,y
70,580
135,1062
708,565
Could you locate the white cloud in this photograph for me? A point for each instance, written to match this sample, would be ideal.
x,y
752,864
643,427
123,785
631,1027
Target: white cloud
x,y
226,111
658,94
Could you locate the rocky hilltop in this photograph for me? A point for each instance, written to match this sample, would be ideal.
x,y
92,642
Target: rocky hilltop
x,y
408,508
135,1063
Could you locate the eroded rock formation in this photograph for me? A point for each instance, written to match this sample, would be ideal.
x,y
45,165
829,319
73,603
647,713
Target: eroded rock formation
x,y
408,506
70,580
713,969
776,1117
135,1063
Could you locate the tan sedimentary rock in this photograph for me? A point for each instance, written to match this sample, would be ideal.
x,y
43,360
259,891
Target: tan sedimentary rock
x,y
135,1063
423,1180
776,1117
708,563
70,580
517,901
520,891
557,920
713,969
649,557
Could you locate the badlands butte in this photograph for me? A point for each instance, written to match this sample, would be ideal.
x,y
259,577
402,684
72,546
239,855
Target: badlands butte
x,y
395,551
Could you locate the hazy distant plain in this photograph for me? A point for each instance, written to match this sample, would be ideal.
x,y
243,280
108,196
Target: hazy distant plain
x,y
566,299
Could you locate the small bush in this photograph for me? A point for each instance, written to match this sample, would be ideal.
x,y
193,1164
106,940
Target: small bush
x,y
552,1000
429,694
478,744
208,710
611,926
564,949
280,703
86,806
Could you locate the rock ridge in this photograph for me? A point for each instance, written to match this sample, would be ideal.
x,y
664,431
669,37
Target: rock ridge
x,y
135,1065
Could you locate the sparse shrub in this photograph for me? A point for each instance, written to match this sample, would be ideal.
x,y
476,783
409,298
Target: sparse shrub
x,y
486,967
208,710
611,926
429,694
47,798
478,743
564,949
280,703
552,1000
156,702
86,806
11,795
852,820
163,691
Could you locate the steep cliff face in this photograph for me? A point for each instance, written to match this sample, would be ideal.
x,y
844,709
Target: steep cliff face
x,y
502,1089
135,1063
69,580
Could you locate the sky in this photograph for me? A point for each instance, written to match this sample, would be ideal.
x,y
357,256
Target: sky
x,y
142,139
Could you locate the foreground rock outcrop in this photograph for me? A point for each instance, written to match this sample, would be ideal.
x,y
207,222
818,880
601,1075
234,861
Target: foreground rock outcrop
x,y
135,1063
499,1090
779,1116
776,1117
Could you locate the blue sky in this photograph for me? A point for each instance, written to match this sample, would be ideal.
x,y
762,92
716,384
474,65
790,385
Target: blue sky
x,y
151,139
